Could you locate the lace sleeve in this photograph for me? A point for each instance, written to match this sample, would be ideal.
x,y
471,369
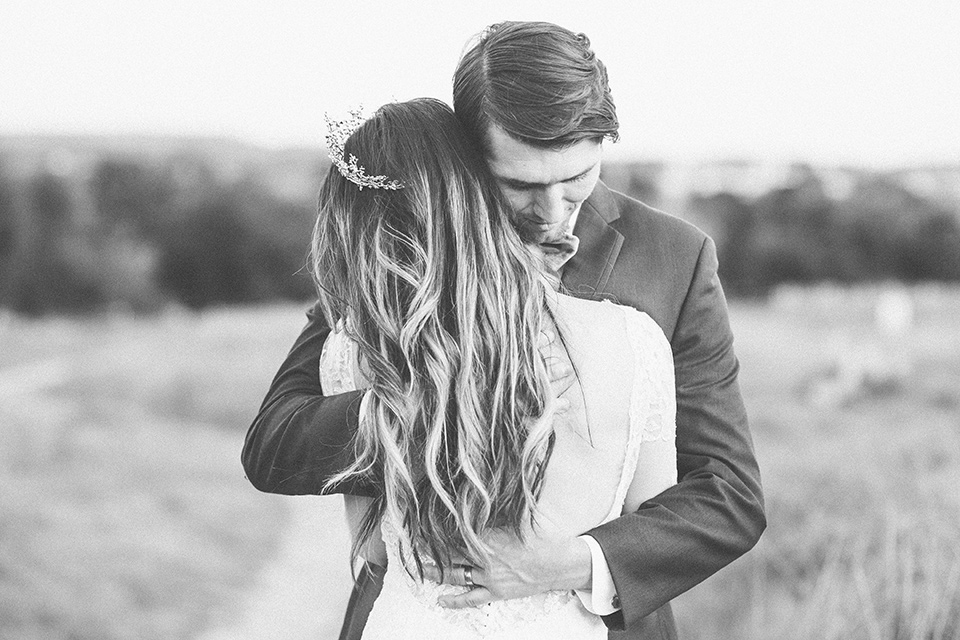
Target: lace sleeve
x,y
339,372
659,421
652,451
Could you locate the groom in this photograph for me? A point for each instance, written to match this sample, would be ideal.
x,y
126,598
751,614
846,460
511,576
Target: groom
x,y
536,100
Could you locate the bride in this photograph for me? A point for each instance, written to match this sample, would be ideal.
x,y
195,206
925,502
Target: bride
x,y
454,325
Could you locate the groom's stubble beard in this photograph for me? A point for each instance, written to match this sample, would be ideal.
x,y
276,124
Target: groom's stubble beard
x,y
534,232
555,243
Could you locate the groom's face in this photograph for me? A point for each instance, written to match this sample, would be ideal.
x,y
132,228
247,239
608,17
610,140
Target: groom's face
x,y
545,187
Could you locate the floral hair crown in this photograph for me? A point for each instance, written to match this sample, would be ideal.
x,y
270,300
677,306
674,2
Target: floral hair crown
x,y
337,133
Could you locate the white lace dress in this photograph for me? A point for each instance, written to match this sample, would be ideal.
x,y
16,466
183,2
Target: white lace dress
x,y
614,449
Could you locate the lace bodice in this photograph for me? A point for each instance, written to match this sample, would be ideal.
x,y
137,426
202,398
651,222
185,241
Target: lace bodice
x,y
614,450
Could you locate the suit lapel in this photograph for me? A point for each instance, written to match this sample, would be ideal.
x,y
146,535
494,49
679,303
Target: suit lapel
x,y
588,271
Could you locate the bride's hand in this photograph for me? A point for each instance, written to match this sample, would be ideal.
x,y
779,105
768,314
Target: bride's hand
x,y
562,375
516,569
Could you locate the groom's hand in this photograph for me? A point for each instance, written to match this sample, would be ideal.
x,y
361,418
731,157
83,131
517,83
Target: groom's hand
x,y
518,568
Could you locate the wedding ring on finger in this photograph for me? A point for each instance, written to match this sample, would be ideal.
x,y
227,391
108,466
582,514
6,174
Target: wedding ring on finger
x,y
468,577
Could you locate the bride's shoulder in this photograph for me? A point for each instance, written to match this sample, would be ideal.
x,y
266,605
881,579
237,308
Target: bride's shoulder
x,y
582,307
599,313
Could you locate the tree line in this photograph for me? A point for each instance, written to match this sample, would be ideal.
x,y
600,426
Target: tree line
x,y
799,231
139,235
795,233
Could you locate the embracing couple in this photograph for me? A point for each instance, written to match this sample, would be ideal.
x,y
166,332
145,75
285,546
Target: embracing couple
x,y
523,381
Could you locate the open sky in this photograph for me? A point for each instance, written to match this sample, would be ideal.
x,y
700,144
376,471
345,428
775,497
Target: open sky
x,y
871,82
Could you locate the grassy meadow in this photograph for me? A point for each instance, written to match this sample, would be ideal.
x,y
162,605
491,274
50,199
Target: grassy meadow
x,y
857,430
124,512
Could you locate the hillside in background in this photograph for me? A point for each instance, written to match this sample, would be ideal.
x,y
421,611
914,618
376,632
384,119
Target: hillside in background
x,y
88,223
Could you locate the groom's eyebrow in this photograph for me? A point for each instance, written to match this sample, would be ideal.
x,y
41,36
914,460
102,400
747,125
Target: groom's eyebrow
x,y
521,184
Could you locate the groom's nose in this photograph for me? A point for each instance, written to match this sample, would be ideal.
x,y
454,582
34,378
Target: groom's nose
x,y
551,208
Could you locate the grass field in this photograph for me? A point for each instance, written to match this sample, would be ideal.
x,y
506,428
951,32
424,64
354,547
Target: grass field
x,y
858,436
124,512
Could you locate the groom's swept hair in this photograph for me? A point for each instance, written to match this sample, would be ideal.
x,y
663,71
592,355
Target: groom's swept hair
x,y
446,305
539,82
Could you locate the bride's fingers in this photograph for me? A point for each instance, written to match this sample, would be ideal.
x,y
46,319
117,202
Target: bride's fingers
x,y
547,336
558,367
560,372
473,598
456,575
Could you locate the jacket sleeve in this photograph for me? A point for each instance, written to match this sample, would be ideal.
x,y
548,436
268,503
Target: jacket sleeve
x,y
300,437
714,514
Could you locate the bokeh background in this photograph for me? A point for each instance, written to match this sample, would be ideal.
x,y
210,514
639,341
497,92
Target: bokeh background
x,y
159,165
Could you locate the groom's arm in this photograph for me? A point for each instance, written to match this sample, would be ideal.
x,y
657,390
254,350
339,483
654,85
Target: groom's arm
x,y
714,514
300,437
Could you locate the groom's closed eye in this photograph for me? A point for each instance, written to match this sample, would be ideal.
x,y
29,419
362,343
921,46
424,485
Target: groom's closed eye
x,y
520,185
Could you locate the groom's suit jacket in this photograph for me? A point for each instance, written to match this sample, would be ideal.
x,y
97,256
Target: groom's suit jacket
x,y
634,255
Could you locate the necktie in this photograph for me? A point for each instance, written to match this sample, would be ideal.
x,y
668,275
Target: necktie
x,y
557,251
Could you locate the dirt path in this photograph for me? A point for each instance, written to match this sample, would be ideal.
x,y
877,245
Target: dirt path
x,y
302,593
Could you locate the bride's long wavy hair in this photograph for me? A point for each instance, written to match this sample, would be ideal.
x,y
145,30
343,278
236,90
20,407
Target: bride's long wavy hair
x,y
447,305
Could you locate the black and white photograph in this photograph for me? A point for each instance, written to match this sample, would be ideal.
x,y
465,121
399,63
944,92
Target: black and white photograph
x,y
479,321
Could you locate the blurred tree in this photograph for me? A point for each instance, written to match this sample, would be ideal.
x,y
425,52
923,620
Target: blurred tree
x,y
644,183
935,250
733,225
282,262
282,230
130,194
211,259
43,278
799,241
9,237
240,246
640,180
889,229
50,203
135,216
